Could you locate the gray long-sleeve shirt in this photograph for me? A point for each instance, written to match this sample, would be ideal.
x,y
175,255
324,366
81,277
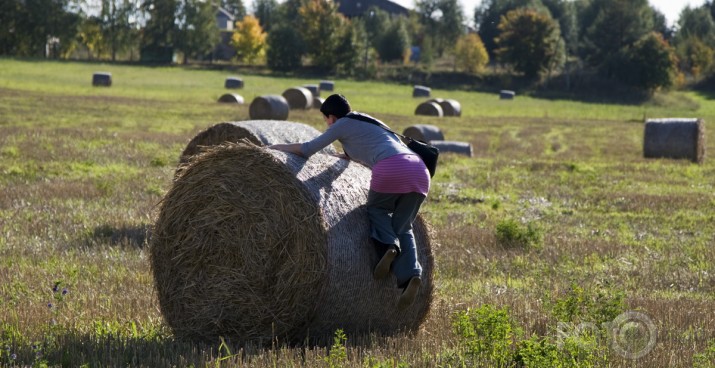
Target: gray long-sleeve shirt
x,y
363,142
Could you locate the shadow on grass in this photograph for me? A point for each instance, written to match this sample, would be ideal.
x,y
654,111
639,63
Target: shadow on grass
x,y
135,237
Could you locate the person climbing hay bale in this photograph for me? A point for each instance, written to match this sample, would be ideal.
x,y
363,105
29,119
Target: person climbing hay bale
x,y
424,132
674,138
298,98
270,107
429,109
460,148
231,98
258,245
259,132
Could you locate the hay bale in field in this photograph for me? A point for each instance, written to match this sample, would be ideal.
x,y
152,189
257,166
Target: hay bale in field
x,y
102,79
429,109
326,85
313,88
460,148
421,91
451,107
674,138
424,132
231,98
259,132
506,95
318,102
252,243
270,107
233,83
298,98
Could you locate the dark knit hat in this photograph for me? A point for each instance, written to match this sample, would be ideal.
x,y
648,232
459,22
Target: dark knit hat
x,y
336,105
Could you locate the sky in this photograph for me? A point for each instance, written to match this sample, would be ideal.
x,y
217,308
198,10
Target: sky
x,y
670,8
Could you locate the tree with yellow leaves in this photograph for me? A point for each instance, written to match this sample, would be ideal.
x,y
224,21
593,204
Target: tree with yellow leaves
x,y
249,40
470,53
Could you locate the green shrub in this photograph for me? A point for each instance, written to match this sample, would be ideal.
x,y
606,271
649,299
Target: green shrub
x,y
513,234
487,333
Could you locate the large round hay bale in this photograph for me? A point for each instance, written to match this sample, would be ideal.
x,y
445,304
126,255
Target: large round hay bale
x,y
429,109
233,83
421,91
674,138
313,88
102,79
460,148
231,98
318,102
255,244
270,107
424,132
327,85
258,132
298,98
506,95
451,107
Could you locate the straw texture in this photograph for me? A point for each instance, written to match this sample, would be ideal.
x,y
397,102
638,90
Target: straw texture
x,y
298,98
424,132
270,107
259,132
460,148
674,138
252,243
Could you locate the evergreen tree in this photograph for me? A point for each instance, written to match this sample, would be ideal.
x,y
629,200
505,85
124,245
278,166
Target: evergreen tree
x,y
265,11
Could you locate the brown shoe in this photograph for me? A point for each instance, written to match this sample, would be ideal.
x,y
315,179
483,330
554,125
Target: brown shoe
x,y
383,267
410,293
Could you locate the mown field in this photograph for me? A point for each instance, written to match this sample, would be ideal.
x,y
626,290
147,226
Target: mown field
x,y
557,244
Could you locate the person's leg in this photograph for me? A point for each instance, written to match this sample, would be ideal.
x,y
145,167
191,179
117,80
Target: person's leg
x,y
379,209
406,265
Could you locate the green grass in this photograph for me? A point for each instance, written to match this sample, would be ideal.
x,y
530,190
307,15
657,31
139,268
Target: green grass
x,y
82,169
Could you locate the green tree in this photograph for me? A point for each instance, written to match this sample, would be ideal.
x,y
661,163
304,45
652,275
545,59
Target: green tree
x,y
530,42
442,20
470,53
160,29
323,29
265,11
649,64
235,7
488,15
394,43
285,48
249,40
696,22
695,57
119,30
38,27
198,31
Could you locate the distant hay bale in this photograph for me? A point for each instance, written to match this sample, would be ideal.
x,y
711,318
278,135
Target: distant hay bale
x,y
506,95
451,107
102,79
313,88
421,91
429,109
258,132
460,148
674,138
298,98
326,85
424,132
270,107
231,98
318,102
233,83
258,245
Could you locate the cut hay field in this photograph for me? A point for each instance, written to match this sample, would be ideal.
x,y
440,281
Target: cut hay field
x,y
557,244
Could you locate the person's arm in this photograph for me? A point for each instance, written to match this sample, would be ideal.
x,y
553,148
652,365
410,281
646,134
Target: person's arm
x,y
288,147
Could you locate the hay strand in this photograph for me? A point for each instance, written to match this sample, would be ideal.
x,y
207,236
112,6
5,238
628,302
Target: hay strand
x,y
460,148
674,138
270,107
258,132
298,98
424,132
254,244
429,109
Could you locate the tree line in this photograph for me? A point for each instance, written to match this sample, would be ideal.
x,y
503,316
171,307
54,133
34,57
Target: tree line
x,y
624,40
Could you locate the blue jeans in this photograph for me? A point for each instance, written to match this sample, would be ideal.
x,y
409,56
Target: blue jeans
x,y
391,217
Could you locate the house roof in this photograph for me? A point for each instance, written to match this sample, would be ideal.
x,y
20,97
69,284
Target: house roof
x,y
356,8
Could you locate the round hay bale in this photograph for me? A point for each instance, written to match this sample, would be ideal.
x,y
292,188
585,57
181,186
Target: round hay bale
x,y
451,107
506,95
259,132
313,88
421,91
102,79
429,109
258,245
270,107
424,132
231,98
233,83
460,148
327,85
318,102
674,138
298,98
